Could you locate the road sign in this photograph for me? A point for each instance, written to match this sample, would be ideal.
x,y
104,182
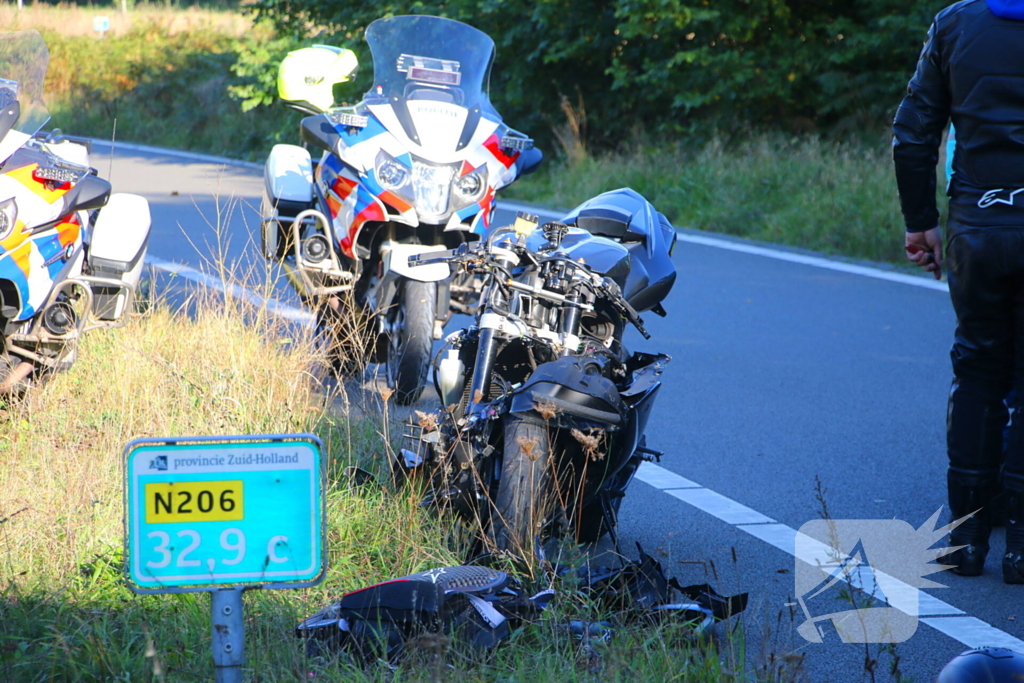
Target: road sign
x,y
101,25
209,513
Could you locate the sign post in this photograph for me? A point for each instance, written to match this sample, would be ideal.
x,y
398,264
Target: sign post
x,y
101,25
223,515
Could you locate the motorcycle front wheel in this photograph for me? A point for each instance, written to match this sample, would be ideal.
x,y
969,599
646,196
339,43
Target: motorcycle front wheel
x,y
526,497
411,338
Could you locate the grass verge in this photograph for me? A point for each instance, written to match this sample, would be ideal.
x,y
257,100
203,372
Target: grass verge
x,y
809,192
65,613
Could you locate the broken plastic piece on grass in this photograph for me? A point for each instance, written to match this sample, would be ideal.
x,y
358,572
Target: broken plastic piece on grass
x,y
480,606
720,606
410,459
359,477
701,617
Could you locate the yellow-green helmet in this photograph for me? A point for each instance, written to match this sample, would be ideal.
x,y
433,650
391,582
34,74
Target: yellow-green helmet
x,y
307,76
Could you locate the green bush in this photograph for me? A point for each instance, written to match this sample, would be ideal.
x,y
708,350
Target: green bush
x,y
662,65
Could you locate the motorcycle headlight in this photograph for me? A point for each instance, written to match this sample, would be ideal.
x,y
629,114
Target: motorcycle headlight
x,y
8,217
470,187
391,174
431,185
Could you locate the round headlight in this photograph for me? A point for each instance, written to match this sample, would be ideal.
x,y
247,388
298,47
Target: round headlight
x,y
469,186
392,175
8,217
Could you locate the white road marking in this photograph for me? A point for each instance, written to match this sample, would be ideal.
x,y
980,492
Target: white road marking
x,y
815,553
974,632
929,605
660,478
726,509
942,616
194,156
816,261
274,306
768,252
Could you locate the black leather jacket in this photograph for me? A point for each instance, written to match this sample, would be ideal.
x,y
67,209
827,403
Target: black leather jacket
x,y
971,70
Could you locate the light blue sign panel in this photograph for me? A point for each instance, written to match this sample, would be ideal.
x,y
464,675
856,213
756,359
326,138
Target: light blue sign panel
x,y
207,513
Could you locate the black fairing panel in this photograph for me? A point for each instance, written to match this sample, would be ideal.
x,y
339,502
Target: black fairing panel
x,y
625,216
605,256
576,393
320,132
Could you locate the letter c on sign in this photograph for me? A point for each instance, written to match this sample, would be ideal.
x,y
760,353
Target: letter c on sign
x,y
271,549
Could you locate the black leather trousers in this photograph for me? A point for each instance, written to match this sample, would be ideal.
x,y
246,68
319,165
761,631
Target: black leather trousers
x,y
986,285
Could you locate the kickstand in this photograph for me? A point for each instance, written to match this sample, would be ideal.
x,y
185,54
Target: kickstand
x,y
611,520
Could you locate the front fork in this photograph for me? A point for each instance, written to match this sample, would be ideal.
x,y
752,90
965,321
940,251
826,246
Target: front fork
x,y
482,368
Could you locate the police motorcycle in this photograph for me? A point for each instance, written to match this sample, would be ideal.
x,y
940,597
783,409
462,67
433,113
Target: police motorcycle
x,y
413,168
71,253
544,413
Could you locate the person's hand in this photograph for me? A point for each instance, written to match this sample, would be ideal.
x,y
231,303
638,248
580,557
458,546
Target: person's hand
x,y
925,250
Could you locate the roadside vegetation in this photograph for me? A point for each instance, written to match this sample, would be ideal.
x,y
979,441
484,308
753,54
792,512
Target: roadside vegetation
x,y
208,78
160,76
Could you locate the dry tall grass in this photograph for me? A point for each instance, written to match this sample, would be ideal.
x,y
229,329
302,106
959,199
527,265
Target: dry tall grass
x,y
162,375
73,20
224,368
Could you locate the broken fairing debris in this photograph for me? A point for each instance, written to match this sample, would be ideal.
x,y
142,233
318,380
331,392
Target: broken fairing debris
x,y
480,606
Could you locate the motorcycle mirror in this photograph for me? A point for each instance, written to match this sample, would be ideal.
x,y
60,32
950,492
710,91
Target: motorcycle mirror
x,y
9,116
319,132
91,192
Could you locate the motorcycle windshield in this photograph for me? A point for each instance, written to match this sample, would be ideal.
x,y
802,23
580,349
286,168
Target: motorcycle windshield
x,y
430,58
23,61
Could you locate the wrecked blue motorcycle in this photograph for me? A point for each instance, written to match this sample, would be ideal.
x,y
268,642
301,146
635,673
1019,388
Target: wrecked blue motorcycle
x,y
545,410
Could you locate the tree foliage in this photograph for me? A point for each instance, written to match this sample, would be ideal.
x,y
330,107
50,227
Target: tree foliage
x,y
661,64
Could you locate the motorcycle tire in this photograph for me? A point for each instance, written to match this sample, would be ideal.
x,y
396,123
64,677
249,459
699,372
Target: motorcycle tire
x,y
411,340
525,499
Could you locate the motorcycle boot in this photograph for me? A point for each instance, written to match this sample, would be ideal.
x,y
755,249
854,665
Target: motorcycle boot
x,y
970,495
1013,560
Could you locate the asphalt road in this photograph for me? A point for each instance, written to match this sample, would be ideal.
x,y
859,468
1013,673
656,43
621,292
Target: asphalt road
x,y
786,378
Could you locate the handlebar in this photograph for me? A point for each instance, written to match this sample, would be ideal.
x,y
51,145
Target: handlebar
x,y
443,257
605,284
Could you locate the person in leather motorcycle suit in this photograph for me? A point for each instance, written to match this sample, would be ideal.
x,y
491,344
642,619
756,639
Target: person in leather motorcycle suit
x,y
971,70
